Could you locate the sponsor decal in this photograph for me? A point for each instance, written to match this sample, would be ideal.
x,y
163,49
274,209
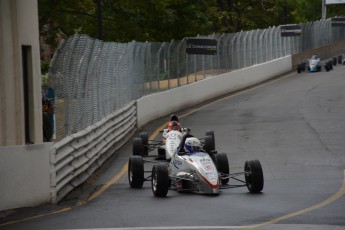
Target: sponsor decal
x,y
177,163
290,30
203,46
207,166
338,21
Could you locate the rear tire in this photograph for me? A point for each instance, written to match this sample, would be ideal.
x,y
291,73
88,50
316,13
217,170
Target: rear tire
x,y
340,58
136,172
327,67
145,141
254,176
210,133
209,144
160,180
222,165
161,153
299,68
138,147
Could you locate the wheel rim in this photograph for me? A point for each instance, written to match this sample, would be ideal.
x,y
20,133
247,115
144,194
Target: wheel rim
x,y
154,182
130,175
249,176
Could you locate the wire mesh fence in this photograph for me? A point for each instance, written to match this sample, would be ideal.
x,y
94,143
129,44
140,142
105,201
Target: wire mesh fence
x,y
92,78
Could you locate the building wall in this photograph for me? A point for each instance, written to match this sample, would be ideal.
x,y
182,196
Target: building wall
x,y
24,159
18,28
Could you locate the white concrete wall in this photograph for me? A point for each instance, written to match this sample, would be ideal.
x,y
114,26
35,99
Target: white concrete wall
x,y
160,104
25,175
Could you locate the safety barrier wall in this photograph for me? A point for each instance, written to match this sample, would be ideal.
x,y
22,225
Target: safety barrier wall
x,y
76,157
156,105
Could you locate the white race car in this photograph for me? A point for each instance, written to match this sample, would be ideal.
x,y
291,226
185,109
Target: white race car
x,y
193,170
171,139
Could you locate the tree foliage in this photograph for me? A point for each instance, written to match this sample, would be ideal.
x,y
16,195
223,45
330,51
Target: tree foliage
x,y
163,20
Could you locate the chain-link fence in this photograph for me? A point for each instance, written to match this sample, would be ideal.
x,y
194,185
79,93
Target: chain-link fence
x,y
92,78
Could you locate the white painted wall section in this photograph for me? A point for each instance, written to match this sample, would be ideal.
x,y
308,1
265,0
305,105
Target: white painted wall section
x,y
25,175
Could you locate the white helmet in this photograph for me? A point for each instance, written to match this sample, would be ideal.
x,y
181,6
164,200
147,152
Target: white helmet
x,y
192,144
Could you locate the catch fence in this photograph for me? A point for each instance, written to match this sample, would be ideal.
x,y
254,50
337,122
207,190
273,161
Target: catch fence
x,y
93,79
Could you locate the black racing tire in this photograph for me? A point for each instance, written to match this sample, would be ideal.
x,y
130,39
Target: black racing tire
x,y
209,144
327,68
145,141
160,180
161,153
138,147
334,61
136,172
211,133
299,69
254,176
330,64
222,164
340,58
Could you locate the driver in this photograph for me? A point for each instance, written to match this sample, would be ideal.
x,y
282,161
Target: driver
x,y
314,57
192,145
174,125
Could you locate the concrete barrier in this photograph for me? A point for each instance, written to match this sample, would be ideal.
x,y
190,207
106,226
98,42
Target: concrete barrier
x,y
160,104
25,175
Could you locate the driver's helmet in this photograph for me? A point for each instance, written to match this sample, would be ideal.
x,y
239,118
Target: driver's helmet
x,y
314,56
174,125
192,145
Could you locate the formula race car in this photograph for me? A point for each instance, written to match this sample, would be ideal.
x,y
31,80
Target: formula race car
x,y
193,170
171,139
312,65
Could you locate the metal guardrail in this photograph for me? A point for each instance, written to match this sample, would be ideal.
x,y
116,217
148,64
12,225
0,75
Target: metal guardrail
x,y
76,157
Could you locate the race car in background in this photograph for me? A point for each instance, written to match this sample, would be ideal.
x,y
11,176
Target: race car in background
x,y
314,64
171,139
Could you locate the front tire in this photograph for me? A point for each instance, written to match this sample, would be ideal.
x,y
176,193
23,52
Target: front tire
x,y
160,180
136,172
254,176
222,165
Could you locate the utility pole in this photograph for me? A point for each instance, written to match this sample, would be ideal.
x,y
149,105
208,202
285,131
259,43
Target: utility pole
x,y
324,9
99,19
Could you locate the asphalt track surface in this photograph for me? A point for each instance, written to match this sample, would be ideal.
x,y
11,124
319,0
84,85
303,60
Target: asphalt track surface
x,y
294,125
